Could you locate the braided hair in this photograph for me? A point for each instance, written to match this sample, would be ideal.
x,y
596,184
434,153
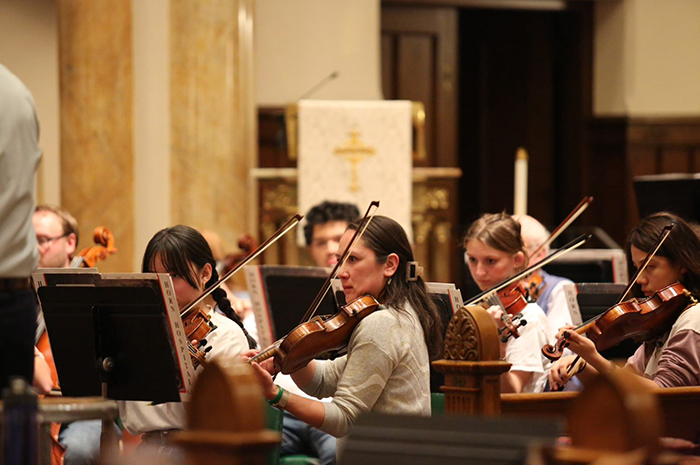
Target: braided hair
x,y
178,247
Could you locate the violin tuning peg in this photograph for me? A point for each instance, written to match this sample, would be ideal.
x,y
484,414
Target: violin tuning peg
x,y
207,350
202,343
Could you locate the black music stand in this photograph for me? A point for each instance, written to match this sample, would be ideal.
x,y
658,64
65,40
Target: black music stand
x,y
281,295
594,299
112,338
677,192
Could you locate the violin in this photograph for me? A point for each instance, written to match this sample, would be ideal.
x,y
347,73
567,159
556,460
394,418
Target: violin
x,y
535,285
197,321
513,301
318,335
638,319
514,294
641,320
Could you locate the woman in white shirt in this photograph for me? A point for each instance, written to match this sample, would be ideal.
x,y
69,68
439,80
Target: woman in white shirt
x,y
183,253
494,251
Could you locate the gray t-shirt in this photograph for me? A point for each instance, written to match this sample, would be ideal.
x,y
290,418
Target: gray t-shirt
x,y
19,159
386,370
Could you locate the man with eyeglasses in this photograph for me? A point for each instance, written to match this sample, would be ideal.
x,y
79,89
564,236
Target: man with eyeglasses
x,y
19,158
56,234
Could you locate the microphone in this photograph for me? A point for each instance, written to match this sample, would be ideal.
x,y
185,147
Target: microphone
x,y
319,85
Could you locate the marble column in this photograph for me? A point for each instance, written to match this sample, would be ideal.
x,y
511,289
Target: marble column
x,y
95,71
212,114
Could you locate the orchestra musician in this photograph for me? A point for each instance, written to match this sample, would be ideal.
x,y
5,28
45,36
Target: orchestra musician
x,y
183,252
57,234
494,252
546,289
386,368
19,159
672,359
325,224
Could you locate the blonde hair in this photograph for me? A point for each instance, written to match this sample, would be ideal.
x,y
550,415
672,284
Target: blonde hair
x,y
499,231
68,222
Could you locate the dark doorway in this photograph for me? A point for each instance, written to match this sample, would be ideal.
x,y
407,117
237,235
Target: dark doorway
x,y
516,89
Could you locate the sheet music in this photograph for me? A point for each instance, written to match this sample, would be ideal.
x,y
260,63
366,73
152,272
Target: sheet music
x,y
161,284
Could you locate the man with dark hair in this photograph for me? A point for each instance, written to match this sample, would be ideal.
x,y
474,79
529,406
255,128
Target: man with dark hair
x,y
325,224
19,158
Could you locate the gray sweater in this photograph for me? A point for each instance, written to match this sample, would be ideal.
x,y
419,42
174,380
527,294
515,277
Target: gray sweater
x,y
386,370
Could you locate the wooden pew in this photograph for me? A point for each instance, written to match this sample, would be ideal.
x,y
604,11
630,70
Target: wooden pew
x,y
680,408
472,369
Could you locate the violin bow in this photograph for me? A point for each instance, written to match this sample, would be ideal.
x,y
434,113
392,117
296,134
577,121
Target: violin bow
x,y
366,220
575,213
659,242
249,258
575,244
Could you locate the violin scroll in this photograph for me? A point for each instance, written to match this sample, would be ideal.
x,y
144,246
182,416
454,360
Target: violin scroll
x,y
510,326
103,248
555,352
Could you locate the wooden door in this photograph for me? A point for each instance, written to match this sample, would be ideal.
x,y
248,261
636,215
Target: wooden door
x,y
419,63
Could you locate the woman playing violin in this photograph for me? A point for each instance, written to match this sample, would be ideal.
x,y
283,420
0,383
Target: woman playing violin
x,y
387,367
494,252
183,253
672,359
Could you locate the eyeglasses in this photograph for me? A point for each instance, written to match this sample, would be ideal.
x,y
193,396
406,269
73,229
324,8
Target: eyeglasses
x,y
45,241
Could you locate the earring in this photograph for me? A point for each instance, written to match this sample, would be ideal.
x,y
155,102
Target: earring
x,y
388,281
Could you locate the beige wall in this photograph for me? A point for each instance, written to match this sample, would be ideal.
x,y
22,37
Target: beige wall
x,y
152,166
298,43
647,58
29,48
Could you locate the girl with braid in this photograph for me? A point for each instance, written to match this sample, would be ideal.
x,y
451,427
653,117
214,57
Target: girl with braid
x,y
183,253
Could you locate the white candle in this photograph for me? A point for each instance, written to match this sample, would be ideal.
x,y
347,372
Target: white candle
x,y
520,198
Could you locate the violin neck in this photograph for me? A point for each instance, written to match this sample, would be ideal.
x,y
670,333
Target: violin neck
x,y
265,354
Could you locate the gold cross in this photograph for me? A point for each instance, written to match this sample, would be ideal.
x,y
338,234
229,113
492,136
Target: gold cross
x,y
354,150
